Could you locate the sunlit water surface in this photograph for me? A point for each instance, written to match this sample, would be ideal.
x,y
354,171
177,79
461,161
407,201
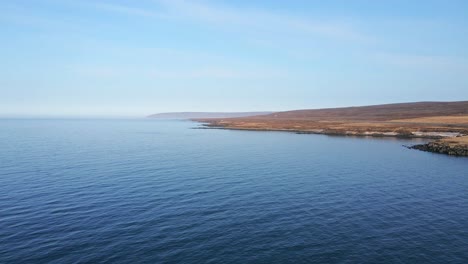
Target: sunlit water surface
x,y
147,191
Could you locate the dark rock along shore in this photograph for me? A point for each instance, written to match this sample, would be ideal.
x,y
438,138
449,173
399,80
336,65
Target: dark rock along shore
x,y
443,148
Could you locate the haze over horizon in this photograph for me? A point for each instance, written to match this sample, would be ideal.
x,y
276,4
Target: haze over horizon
x,y
127,58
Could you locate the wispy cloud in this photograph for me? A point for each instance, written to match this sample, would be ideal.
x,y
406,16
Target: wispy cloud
x,y
123,9
260,27
423,61
261,21
216,72
236,19
191,73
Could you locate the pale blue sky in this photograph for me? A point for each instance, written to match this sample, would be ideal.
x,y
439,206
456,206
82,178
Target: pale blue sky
x,y
133,58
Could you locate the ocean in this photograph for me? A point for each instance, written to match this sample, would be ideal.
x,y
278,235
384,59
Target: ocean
x,y
159,191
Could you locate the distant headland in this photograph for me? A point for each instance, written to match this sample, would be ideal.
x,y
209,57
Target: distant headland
x,y
434,120
193,115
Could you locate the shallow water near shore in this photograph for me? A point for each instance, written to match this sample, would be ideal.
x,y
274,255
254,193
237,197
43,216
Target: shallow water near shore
x,y
157,191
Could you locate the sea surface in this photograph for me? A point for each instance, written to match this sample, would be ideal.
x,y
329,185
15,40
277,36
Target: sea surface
x,y
158,191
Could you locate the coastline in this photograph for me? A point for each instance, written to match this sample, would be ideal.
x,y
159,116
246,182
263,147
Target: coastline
x,y
325,132
367,132
450,146
447,141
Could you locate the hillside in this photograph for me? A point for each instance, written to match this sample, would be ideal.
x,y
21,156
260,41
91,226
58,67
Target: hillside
x,y
421,119
378,112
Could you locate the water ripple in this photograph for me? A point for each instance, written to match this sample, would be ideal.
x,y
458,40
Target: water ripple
x,y
127,191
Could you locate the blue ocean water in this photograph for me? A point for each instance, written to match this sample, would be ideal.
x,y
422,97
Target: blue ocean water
x,y
152,191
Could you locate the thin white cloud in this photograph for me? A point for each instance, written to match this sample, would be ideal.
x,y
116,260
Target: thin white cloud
x,y
236,19
192,73
423,61
260,27
216,73
261,21
124,9
253,26
127,10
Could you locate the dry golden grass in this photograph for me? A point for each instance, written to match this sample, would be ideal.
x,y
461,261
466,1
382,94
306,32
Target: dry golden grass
x,y
335,126
402,119
456,140
429,120
437,120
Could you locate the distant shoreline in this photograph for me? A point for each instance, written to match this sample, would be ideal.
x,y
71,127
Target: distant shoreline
x,y
454,146
328,133
192,115
426,120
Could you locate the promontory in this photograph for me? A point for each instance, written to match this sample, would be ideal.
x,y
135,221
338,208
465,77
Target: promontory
x,y
433,120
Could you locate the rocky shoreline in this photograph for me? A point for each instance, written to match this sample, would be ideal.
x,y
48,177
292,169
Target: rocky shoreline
x,y
445,143
446,123
333,132
446,146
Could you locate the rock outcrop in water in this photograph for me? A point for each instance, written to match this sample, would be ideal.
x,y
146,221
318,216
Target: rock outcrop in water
x,y
453,146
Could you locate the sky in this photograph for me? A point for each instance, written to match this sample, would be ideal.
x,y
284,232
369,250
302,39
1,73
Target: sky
x,y
135,58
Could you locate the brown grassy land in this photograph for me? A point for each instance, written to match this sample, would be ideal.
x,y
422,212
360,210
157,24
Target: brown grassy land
x,y
437,120
378,112
456,140
457,146
423,119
